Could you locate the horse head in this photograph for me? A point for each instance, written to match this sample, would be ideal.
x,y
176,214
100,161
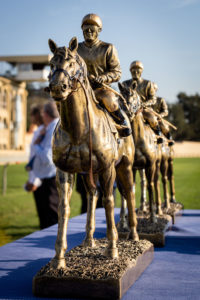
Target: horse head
x,y
67,68
131,96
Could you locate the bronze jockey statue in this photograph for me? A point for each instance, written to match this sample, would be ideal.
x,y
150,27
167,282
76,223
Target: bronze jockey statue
x,y
162,109
103,68
145,89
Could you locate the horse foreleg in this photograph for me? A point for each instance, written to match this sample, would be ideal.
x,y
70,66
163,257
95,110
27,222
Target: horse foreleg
x,y
171,181
157,188
150,170
164,169
143,185
65,183
123,225
92,197
128,190
107,179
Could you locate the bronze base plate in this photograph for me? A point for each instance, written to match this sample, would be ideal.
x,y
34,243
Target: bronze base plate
x,y
91,275
175,211
153,232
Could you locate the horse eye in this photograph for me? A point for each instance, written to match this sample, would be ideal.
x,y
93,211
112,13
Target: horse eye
x,y
71,64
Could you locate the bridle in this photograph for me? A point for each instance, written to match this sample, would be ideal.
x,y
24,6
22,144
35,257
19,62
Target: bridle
x,y
80,77
73,79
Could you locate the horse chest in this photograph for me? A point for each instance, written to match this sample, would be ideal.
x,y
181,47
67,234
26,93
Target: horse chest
x,y
72,158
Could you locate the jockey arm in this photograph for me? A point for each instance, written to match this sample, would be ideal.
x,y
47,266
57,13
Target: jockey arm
x,y
113,70
150,96
163,108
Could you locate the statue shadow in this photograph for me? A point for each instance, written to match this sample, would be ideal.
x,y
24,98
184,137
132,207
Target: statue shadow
x,y
32,253
196,214
181,244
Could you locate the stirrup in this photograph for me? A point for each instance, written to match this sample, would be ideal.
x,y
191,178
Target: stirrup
x,y
122,125
159,139
171,142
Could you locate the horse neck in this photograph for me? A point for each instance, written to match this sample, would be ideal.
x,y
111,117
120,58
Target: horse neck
x,y
138,128
74,115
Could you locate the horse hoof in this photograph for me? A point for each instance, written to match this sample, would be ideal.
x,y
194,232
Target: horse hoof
x,y
123,226
111,253
89,243
134,236
167,207
143,208
159,212
173,200
153,219
58,263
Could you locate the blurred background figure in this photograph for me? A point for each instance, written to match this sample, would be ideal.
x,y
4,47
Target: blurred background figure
x,y
41,168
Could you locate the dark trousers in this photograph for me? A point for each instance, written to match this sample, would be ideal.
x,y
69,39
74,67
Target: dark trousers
x,y
47,199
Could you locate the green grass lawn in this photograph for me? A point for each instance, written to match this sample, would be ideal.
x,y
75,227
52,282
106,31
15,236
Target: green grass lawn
x,y
18,215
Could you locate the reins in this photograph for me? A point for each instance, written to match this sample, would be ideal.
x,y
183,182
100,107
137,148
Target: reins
x,y
76,77
90,137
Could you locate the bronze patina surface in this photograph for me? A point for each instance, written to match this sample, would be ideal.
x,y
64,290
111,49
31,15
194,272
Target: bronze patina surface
x,y
103,68
146,148
157,158
84,142
153,232
175,210
89,274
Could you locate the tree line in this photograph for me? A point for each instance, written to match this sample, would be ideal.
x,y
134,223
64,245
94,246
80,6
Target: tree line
x,y
185,115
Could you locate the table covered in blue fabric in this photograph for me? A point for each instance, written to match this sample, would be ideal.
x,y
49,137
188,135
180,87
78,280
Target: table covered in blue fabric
x,y
173,274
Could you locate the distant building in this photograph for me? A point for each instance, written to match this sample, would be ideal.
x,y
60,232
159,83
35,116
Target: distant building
x,y
13,96
27,68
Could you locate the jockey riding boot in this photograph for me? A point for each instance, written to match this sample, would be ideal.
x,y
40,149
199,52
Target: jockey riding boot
x,y
158,133
171,141
120,118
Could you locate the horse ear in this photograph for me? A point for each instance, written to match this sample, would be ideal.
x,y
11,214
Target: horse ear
x,y
52,46
73,44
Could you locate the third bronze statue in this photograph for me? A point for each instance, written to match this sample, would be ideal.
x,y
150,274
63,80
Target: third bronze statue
x,y
162,109
103,68
145,89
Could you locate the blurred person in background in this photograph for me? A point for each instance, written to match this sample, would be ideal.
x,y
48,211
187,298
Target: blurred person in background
x,y
43,168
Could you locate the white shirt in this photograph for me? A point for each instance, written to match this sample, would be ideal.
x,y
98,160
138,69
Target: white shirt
x,y
32,178
43,166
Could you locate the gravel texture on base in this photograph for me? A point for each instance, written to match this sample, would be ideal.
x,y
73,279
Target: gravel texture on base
x,y
146,226
174,208
90,263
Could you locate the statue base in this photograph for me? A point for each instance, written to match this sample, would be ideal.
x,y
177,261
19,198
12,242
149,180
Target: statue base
x,y
153,232
90,274
175,211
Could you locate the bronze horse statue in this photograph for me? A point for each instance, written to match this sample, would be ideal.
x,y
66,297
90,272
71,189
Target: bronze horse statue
x,y
165,167
83,142
163,159
146,148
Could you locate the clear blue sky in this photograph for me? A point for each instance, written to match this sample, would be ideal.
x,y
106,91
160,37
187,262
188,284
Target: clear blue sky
x,y
163,34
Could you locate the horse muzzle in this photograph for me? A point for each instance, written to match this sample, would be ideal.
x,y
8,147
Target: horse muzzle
x,y
58,91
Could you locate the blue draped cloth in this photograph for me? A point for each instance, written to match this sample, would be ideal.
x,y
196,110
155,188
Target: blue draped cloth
x,y
173,274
